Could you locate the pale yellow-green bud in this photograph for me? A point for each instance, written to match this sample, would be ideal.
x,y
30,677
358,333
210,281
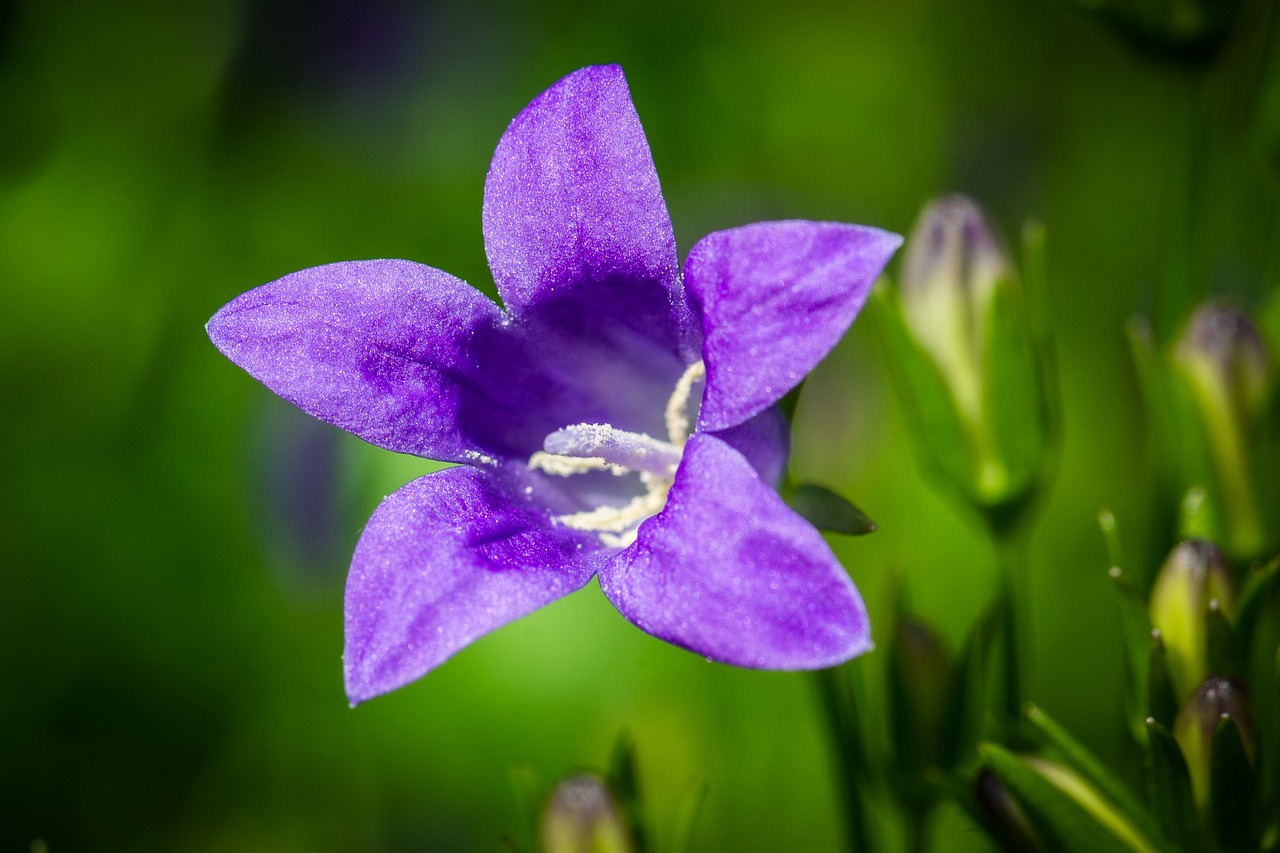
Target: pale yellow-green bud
x,y
963,343
1193,577
1230,377
583,817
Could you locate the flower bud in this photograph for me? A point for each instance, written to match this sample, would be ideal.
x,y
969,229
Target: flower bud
x,y
582,817
1218,701
1230,375
924,716
968,357
1194,575
952,266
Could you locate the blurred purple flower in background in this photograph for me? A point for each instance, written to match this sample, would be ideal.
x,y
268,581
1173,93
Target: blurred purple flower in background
x,y
551,406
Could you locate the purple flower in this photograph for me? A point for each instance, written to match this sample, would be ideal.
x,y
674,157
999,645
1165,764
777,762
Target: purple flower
x,y
615,419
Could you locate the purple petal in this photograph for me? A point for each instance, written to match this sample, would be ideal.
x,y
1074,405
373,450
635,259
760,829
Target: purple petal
x,y
446,559
572,197
765,441
377,348
775,298
728,571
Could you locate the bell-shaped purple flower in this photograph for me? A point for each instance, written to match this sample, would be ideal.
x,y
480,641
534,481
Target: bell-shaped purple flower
x,y
615,418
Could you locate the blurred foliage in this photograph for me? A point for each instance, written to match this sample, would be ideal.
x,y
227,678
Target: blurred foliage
x,y
174,538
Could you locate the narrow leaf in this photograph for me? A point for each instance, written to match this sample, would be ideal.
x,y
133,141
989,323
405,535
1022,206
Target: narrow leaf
x,y
1061,812
1169,788
1234,790
826,510
1094,772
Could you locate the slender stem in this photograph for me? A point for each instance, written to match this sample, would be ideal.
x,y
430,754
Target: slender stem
x,y
840,710
1183,282
1010,556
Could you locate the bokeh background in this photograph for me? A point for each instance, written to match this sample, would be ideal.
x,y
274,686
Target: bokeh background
x,y
174,540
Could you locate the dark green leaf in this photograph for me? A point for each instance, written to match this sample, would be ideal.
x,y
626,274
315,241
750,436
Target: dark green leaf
x,y
1234,790
826,510
1135,626
623,780
1169,788
1162,703
1259,587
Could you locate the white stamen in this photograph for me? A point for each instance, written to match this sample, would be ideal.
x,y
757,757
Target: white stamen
x,y
677,414
630,450
580,448
566,466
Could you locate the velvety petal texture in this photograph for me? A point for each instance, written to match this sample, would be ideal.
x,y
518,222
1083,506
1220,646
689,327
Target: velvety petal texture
x,y
572,196
775,298
728,571
377,348
599,328
446,559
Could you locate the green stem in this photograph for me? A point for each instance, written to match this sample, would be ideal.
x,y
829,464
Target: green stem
x,y
840,711
1010,556
1183,282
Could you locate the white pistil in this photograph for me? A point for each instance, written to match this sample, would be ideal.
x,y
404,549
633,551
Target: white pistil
x,y
580,448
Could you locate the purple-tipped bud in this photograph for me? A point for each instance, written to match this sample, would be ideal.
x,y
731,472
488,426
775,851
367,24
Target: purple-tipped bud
x,y
1230,375
1192,577
583,817
953,264
969,357
1217,701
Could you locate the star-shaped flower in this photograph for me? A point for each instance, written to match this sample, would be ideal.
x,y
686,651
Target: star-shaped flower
x,y
614,419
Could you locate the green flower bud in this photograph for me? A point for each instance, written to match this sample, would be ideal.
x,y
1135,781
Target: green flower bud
x,y
582,817
966,354
1218,702
1229,374
1194,575
922,716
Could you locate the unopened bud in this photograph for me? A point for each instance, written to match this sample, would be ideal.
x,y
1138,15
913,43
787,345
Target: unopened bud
x,y
582,817
952,265
1218,701
1230,375
1193,577
970,361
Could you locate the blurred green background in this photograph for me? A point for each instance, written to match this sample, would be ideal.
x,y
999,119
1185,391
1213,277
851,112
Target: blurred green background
x,y
174,539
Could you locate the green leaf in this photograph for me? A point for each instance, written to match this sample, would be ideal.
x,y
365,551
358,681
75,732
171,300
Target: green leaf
x,y
623,780
1162,702
1222,651
1096,774
1259,587
1135,626
1070,816
1235,796
1169,788
826,510
840,709
687,815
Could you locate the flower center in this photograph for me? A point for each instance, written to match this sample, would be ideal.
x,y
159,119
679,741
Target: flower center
x,y
580,448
